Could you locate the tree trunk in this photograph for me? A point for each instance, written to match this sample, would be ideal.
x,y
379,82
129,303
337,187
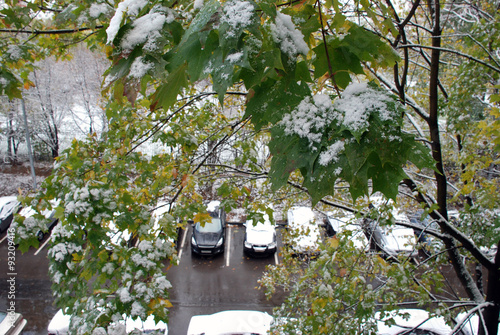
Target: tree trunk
x,y
491,314
10,139
441,183
55,140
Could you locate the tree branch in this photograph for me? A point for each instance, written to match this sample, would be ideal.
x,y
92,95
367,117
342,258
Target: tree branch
x,y
48,32
458,53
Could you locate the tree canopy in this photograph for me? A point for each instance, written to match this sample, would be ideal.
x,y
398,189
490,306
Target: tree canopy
x,y
242,97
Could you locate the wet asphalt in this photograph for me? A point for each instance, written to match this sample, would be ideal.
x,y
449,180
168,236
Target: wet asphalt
x,y
201,285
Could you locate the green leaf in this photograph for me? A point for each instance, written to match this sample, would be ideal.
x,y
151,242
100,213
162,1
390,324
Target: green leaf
x,y
270,100
368,47
385,177
207,17
268,7
166,95
289,154
9,85
263,64
196,55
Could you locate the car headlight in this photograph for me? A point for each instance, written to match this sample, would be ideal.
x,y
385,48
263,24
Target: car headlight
x,y
219,242
248,245
271,245
193,241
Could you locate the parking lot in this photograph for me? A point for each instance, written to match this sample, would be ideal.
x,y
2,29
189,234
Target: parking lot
x,y
201,285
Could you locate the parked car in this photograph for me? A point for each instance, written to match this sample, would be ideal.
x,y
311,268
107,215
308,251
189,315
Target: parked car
x,y
303,231
260,238
391,241
208,237
50,220
428,244
415,322
11,323
231,322
59,325
8,207
336,225
469,323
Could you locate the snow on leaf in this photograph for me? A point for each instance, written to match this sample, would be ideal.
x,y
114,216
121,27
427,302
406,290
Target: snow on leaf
x,y
310,118
130,7
330,155
358,102
238,14
145,29
290,39
139,68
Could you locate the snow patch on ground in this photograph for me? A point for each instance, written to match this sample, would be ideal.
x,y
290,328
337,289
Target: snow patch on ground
x,y
18,177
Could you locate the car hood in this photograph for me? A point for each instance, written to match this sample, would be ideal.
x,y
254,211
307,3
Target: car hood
x,y
399,240
207,238
260,237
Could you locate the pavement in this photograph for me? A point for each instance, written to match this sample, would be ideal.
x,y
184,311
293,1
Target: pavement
x,y
200,285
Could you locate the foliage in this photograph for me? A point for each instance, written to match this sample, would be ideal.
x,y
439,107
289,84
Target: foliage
x,y
316,99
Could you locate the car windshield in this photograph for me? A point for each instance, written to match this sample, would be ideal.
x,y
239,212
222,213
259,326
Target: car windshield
x,y
7,208
209,227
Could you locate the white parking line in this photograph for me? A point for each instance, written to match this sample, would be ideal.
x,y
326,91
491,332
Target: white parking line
x,y
42,246
3,239
184,234
276,259
228,247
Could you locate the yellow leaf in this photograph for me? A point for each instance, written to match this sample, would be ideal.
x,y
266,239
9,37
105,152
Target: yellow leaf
x,y
155,303
28,84
334,242
202,218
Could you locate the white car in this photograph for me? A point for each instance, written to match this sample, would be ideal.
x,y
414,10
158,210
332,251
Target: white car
x,y
336,225
260,238
416,318
392,241
11,323
8,207
231,322
50,220
469,324
59,325
304,229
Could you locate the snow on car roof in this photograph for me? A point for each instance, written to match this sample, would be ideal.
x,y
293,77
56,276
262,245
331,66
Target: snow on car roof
x,y
417,318
6,206
229,322
303,220
212,206
60,324
301,215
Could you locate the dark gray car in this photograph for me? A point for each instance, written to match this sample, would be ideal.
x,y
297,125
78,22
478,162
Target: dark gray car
x,y
208,238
